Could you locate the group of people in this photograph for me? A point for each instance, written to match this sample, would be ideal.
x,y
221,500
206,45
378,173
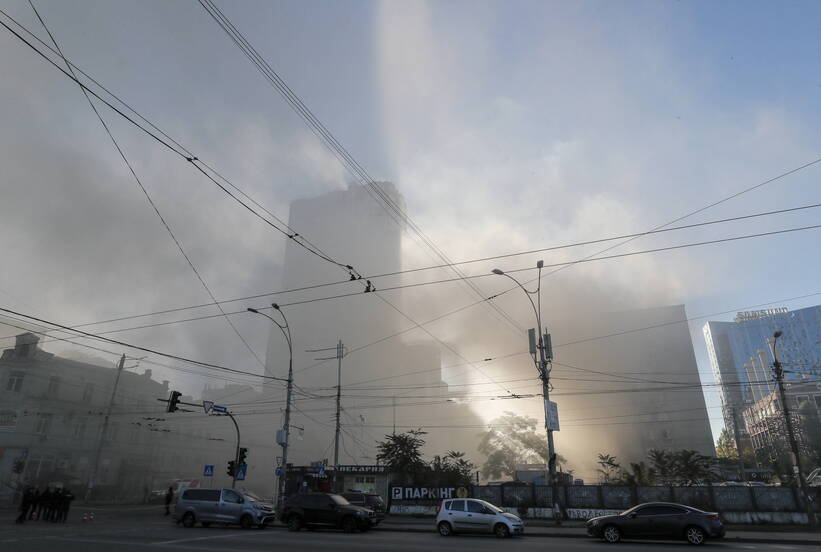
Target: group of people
x,y
51,504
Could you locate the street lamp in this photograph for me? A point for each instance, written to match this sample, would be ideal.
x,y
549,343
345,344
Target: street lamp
x,y
544,375
778,373
286,426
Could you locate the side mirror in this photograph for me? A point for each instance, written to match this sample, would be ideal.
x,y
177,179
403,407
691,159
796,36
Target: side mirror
x,y
633,515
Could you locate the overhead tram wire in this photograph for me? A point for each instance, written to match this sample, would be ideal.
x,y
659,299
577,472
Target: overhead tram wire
x,y
146,194
336,148
467,306
457,310
419,269
352,272
162,138
314,123
138,347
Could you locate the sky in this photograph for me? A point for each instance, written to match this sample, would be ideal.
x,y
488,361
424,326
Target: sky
x,y
507,126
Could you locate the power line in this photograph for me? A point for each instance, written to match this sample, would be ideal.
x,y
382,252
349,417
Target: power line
x,y
401,272
145,191
176,148
140,348
336,148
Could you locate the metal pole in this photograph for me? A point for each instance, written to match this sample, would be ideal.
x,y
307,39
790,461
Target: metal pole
x,y
796,454
338,401
236,452
96,465
286,426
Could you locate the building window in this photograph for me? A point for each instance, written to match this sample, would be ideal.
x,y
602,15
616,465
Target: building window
x,y
43,424
88,392
818,402
15,382
80,428
8,420
113,429
53,386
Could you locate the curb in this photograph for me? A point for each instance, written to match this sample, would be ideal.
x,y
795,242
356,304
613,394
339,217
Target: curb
x,y
732,539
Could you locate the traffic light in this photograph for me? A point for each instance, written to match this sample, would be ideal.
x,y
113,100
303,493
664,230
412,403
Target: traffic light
x,y
173,400
243,453
232,468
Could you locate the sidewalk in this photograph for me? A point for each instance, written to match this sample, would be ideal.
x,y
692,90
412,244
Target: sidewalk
x,y
575,529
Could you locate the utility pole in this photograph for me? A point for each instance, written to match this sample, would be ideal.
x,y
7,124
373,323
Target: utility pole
x,y
778,372
92,479
543,367
339,355
394,415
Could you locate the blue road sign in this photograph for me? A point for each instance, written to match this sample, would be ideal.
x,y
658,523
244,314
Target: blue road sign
x,y
218,408
321,471
241,470
278,471
208,471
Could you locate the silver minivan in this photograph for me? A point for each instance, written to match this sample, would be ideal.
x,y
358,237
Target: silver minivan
x,y
207,506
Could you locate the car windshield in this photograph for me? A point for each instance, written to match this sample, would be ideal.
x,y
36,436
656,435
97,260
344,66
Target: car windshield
x,y
339,499
374,500
252,497
629,510
491,507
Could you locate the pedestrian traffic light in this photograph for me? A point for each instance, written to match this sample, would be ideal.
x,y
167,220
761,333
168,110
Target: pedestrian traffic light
x,y
232,468
173,400
243,453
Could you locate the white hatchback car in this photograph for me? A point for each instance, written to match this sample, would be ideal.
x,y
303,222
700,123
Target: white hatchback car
x,y
470,515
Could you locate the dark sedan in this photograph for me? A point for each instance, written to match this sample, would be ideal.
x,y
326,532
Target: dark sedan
x,y
658,520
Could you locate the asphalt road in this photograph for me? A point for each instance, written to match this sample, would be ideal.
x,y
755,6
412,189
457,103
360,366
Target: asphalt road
x,y
144,531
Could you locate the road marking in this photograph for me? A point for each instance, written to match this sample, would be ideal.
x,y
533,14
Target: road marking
x,y
209,537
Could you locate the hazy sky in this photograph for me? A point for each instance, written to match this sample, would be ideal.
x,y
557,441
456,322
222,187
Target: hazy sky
x,y
506,125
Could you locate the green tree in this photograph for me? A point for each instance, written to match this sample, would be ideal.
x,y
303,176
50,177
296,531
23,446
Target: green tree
x,y
639,474
513,440
693,468
663,465
609,467
402,452
453,469
725,446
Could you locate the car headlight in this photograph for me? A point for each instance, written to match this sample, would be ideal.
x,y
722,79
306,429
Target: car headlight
x,y
361,513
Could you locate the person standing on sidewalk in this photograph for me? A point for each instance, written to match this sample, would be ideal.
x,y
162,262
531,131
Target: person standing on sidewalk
x,y
25,504
169,497
35,500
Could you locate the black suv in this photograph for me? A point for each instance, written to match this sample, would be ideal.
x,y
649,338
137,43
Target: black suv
x,y
324,509
371,501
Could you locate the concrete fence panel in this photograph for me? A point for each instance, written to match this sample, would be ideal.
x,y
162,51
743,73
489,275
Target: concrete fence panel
x,y
517,496
774,499
697,497
733,499
582,496
544,497
654,494
492,494
618,498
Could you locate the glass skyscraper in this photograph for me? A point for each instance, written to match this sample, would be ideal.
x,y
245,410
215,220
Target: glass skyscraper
x,y
741,358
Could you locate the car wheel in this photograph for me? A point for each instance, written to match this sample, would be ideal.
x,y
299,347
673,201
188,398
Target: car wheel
x,y
294,523
246,521
694,535
349,525
445,529
611,534
501,531
205,523
188,520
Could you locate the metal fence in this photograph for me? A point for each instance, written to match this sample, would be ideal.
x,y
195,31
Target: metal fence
x,y
614,497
